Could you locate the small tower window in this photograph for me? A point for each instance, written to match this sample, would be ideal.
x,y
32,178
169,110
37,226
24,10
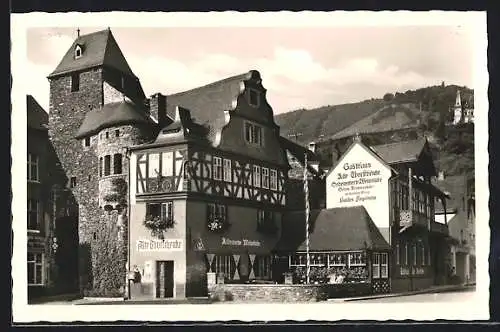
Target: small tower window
x,y
117,164
107,165
78,51
86,142
117,133
75,82
72,183
107,134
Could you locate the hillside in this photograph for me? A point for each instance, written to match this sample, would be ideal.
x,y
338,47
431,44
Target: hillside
x,y
325,121
421,112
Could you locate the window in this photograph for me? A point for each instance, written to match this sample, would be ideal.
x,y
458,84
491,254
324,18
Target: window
x,y
274,179
253,97
224,264
107,165
35,269
75,82
256,176
86,141
265,178
167,164
406,254
397,254
376,266
414,251
165,210
72,182
262,267
217,165
384,267
357,259
227,170
153,165
253,133
117,133
78,51
216,211
100,166
117,164
32,167
265,220
107,134
423,254
337,259
33,215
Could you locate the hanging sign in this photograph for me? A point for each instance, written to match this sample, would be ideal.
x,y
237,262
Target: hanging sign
x,y
160,245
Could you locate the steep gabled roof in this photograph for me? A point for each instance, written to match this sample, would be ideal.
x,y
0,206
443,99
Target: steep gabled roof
x,y
37,118
349,228
399,152
99,49
113,114
208,104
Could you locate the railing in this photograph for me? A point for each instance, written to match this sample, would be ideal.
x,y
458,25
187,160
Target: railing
x,y
410,218
439,228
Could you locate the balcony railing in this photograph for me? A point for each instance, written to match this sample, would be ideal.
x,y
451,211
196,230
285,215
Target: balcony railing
x,y
411,218
437,227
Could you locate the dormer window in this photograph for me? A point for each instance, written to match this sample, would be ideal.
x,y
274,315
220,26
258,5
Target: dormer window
x,y
253,97
78,51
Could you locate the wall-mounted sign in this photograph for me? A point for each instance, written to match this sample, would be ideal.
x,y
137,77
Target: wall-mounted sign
x,y
360,178
242,242
160,245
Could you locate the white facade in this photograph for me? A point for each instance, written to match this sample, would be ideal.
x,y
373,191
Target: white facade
x,y
360,178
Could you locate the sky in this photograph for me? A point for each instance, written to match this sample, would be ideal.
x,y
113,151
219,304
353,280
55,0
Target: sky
x,y
302,67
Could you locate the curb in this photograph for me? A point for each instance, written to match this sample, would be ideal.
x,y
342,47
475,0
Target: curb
x,y
423,291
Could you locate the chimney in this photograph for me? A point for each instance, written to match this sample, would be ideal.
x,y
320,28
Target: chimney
x,y
441,176
158,108
312,147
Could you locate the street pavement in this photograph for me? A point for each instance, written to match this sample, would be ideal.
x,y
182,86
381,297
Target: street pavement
x,y
453,296
438,295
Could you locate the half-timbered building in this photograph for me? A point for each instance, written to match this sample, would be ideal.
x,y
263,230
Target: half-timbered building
x,y
207,195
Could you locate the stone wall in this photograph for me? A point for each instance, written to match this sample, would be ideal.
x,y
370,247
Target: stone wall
x,y
73,160
268,293
116,142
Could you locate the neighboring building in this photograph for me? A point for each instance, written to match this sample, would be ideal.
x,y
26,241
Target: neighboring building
x,y
462,113
461,223
208,194
392,183
40,229
97,110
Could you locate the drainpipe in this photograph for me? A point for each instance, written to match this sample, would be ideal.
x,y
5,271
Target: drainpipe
x,y
410,193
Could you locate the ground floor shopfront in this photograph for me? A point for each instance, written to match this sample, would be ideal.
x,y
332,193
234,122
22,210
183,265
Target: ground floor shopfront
x,y
176,263
420,259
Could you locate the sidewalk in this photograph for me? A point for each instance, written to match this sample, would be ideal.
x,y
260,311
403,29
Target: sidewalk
x,y
435,289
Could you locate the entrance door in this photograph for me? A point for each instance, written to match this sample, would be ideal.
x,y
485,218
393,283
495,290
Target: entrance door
x,y
66,257
165,279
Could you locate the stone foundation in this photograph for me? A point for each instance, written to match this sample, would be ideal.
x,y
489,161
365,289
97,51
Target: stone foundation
x,y
268,293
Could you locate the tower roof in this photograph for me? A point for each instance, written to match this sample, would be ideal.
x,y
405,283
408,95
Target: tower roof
x,y
97,49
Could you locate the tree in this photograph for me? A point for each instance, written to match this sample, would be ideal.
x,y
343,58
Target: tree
x,y
388,97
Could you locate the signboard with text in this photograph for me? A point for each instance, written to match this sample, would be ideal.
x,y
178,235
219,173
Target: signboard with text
x,y
160,245
360,179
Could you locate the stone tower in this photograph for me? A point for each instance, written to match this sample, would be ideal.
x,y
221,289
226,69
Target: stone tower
x,y
97,110
457,109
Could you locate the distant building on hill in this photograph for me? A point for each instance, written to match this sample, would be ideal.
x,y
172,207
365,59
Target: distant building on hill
x,y
462,112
